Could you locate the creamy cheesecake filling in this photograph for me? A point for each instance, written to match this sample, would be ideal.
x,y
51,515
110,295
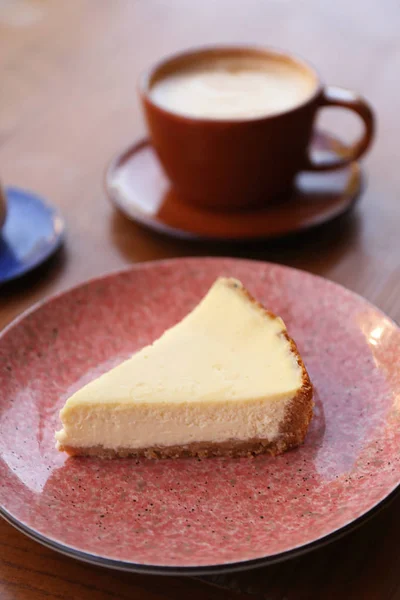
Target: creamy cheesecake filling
x,y
225,372
177,424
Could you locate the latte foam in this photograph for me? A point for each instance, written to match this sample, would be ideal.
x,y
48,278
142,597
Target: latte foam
x,y
232,88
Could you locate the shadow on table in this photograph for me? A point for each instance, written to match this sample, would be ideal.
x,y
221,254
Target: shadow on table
x,y
35,278
317,250
347,568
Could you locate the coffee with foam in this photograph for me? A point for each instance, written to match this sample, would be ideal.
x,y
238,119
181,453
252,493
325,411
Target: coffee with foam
x,y
233,88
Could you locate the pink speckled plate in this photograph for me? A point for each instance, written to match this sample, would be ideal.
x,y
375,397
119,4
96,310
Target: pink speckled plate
x,y
191,516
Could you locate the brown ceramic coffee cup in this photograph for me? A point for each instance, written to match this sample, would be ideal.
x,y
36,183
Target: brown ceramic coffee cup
x,y
250,159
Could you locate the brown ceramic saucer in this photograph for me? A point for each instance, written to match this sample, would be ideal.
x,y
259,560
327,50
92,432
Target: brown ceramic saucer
x,y
137,185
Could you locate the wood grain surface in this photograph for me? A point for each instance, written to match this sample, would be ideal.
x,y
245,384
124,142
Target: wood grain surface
x,y
68,102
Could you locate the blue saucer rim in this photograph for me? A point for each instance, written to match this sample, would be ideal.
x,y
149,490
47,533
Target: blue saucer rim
x,y
42,257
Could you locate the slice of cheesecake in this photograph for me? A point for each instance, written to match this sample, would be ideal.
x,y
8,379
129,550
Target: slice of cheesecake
x,y
226,380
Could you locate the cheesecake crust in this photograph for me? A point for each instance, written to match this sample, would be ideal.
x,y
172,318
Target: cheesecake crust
x,y
232,448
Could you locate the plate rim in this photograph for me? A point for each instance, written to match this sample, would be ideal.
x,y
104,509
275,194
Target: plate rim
x,y
201,570
194,570
180,259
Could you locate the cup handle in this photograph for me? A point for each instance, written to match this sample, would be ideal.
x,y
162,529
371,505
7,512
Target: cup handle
x,y
336,96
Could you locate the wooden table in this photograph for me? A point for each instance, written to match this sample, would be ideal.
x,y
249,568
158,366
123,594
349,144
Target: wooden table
x,y
68,102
